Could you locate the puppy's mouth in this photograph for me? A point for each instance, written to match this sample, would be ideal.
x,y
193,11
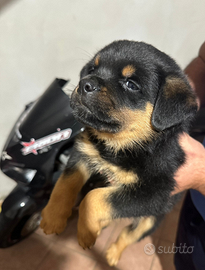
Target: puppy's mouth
x,y
79,105
92,116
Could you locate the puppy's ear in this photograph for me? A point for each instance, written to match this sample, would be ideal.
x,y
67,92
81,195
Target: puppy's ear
x,y
175,103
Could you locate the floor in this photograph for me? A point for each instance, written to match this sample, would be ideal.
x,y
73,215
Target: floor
x,y
41,252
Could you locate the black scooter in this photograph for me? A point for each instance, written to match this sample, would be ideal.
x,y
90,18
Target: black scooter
x,y
34,155
36,152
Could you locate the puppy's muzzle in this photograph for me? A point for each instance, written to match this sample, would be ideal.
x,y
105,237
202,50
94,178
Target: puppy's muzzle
x,y
89,85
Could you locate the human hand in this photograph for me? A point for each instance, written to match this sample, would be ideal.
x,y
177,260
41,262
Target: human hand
x,y
192,173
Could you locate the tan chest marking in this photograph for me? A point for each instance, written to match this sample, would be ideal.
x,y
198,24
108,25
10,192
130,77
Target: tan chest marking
x,y
114,173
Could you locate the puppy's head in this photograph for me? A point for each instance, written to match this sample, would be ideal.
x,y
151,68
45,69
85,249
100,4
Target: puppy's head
x,y
131,86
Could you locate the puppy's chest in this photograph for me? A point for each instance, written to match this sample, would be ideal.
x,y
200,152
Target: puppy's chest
x,y
119,168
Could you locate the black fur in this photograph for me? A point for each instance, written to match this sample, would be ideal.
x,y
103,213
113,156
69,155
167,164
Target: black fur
x,y
154,161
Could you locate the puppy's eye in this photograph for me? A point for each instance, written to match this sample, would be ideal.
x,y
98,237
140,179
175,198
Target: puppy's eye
x,y
132,85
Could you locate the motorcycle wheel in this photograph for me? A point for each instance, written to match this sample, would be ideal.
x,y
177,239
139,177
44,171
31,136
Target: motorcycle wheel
x,y
12,232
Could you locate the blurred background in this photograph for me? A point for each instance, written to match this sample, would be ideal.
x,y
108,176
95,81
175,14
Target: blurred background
x,y
44,39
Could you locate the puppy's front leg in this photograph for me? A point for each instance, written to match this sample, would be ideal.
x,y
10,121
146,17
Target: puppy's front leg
x,y
63,197
95,212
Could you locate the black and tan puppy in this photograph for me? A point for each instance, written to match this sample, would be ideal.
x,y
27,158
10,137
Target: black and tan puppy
x,y
135,102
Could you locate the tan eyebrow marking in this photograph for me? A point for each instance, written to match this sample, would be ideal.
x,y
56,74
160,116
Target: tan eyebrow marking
x,y
97,60
128,71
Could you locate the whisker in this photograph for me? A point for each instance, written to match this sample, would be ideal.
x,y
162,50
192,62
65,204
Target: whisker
x,y
68,88
86,52
75,123
68,92
72,85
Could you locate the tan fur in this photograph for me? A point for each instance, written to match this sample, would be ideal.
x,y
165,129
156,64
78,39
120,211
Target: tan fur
x,y
136,129
104,90
174,86
128,71
97,60
62,199
76,89
104,102
128,237
94,213
191,101
115,174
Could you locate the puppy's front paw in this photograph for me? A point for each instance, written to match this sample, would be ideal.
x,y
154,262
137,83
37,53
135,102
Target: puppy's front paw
x,y
87,235
52,222
113,255
86,238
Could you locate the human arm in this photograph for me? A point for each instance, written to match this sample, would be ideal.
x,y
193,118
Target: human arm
x,y
192,173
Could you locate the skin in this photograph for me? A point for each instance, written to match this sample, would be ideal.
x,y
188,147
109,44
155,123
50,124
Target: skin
x,y
192,173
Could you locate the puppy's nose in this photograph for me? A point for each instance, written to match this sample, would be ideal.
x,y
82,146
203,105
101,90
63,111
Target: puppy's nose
x,y
88,87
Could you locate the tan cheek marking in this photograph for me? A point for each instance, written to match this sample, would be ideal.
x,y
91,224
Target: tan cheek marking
x,y
128,71
97,60
139,122
137,127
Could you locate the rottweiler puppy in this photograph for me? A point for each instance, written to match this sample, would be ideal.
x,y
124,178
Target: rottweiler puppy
x,y
134,101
